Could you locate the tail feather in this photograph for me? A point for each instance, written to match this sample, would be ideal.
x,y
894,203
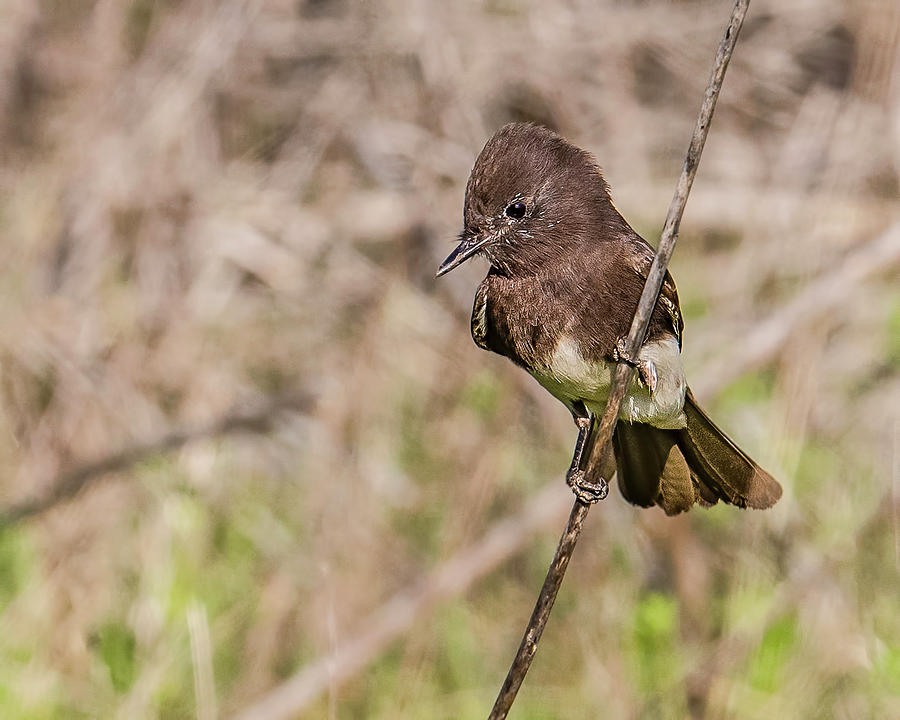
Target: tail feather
x,y
640,456
651,468
721,464
676,468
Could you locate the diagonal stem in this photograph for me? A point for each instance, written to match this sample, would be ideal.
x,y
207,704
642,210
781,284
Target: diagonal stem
x,y
603,431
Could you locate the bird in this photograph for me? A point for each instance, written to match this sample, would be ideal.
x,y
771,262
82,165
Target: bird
x,y
565,277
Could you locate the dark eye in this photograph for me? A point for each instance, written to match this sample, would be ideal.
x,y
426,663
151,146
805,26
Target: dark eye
x,y
516,210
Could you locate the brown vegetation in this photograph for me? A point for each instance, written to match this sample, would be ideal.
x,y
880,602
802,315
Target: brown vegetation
x,y
219,223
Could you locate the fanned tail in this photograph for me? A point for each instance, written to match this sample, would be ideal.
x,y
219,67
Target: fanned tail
x,y
697,464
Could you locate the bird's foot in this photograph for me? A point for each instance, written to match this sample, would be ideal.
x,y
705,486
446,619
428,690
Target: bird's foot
x,y
586,491
647,375
646,369
620,353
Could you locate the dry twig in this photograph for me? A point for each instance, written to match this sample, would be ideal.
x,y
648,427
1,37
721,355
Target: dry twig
x,y
602,434
829,291
74,481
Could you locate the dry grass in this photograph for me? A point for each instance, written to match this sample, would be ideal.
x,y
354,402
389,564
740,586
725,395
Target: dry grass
x,y
208,206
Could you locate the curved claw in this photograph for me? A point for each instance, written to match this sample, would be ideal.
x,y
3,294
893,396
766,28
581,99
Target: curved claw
x,y
586,491
646,369
647,374
620,353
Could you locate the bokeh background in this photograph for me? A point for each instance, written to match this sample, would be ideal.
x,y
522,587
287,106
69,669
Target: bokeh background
x,y
253,465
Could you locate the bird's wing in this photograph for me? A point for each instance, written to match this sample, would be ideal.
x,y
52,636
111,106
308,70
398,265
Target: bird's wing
x,y
641,259
479,316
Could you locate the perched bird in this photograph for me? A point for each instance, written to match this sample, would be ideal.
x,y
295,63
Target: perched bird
x,y
565,279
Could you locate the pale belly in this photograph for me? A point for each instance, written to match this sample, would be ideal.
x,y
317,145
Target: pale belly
x,y
570,377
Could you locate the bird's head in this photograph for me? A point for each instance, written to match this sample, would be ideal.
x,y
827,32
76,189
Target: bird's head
x,y
531,198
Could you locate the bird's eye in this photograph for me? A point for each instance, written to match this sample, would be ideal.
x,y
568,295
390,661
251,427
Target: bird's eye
x,y
516,210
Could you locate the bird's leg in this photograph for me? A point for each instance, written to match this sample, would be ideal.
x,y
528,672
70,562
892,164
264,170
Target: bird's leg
x,y
586,491
646,369
584,420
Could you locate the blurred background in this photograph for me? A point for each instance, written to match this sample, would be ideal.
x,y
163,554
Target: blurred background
x,y
253,464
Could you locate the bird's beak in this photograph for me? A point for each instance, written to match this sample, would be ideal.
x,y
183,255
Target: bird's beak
x,y
468,246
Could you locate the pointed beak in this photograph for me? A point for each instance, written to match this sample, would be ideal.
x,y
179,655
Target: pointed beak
x,y
468,246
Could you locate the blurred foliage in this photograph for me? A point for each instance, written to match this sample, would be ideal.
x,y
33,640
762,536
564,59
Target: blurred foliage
x,y
209,206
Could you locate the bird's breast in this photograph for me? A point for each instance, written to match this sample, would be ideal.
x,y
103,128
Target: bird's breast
x,y
569,376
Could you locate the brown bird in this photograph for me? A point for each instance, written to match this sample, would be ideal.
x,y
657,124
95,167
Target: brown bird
x,y
566,275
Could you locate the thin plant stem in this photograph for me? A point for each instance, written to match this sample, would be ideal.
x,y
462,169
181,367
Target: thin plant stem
x,y
603,431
